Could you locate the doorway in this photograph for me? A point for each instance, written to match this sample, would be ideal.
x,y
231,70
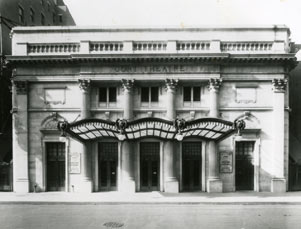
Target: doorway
x,y
107,168
244,163
191,166
55,152
149,166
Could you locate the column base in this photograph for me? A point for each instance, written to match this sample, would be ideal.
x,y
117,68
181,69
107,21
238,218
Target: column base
x,y
172,186
128,186
278,185
84,187
21,186
214,185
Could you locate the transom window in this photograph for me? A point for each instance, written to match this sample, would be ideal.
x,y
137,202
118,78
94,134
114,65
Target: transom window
x,y
107,94
245,148
191,94
149,94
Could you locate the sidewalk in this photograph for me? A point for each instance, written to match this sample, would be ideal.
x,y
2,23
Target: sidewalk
x,y
292,198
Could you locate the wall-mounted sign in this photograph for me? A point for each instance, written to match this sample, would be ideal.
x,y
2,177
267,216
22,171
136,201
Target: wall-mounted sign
x,y
156,69
54,96
74,163
226,162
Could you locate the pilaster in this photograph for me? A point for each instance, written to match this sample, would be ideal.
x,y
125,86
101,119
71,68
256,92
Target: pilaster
x,y
128,86
278,181
214,183
171,183
127,156
20,136
86,186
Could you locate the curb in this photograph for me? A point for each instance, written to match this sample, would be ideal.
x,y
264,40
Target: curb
x,y
144,203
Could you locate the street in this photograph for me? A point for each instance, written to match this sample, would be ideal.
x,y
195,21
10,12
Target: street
x,y
27,216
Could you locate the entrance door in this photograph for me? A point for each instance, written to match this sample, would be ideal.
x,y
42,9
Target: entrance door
x,y
191,166
55,152
107,167
244,174
149,166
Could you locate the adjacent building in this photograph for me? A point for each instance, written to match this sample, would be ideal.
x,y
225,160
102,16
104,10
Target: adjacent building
x,y
295,126
20,13
143,109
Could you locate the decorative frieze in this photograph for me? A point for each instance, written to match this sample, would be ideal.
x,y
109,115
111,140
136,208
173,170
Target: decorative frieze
x,y
214,84
279,85
84,84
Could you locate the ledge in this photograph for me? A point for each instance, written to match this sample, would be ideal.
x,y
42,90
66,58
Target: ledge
x,y
154,57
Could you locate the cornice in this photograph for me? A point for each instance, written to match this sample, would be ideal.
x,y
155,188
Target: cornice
x,y
219,58
68,29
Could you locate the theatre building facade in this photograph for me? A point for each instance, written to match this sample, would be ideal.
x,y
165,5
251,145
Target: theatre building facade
x,y
150,109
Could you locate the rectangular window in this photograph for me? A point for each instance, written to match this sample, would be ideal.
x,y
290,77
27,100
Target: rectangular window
x,y
42,19
53,18
187,94
191,94
154,94
149,94
21,14
60,18
196,94
112,94
102,94
32,18
107,94
144,94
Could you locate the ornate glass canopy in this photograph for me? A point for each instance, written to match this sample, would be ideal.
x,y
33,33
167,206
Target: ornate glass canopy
x,y
205,128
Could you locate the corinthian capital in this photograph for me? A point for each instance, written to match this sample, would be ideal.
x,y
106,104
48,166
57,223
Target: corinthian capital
x,y
214,84
171,84
279,85
21,87
127,84
84,84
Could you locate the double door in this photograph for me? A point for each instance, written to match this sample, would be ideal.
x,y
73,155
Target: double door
x,y
191,166
149,166
55,167
107,168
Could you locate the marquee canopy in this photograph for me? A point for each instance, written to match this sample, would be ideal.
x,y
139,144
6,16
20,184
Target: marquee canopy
x,y
205,128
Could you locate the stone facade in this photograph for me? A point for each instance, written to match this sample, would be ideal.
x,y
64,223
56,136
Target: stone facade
x,y
19,13
133,73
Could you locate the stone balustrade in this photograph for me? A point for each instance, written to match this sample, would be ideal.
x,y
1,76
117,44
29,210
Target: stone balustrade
x,y
193,45
246,46
59,48
101,47
151,46
87,47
